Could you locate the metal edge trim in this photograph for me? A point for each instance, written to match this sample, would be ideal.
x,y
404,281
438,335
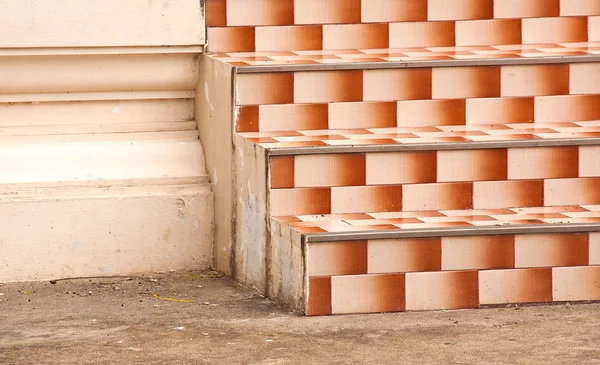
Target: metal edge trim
x,y
443,146
417,64
452,232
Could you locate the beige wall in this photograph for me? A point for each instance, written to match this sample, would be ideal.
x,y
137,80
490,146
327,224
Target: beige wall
x,y
100,23
101,169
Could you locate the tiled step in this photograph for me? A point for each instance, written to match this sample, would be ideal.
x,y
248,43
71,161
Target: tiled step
x,y
248,62
283,25
437,260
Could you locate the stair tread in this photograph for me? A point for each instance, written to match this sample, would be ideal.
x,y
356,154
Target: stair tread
x,y
388,57
453,136
428,223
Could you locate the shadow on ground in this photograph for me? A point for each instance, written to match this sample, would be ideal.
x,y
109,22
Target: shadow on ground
x,y
147,320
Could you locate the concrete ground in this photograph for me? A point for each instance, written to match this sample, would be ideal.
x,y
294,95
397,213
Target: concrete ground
x,y
121,321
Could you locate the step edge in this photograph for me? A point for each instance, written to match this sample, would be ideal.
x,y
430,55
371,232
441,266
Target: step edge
x,y
415,64
99,50
453,232
97,96
442,146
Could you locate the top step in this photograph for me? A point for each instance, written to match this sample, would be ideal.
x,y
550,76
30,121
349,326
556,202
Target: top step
x,y
289,25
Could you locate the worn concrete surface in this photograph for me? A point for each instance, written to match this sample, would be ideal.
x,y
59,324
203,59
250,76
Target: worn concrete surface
x,y
119,321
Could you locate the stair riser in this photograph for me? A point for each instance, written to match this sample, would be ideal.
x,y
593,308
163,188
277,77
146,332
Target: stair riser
x,y
236,26
66,23
434,180
450,272
105,234
416,98
76,113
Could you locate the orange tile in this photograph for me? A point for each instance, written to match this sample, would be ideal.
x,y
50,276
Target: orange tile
x,y
421,34
515,286
472,165
579,7
478,252
499,111
286,202
543,163
260,12
238,39
327,11
535,80
589,161
355,36
367,293
247,119
423,113
465,82
216,13
404,255
572,191
319,296
302,37
401,167
282,172
398,84
460,9
442,290
328,86
594,248
337,258
585,78
264,88
527,8
506,194
568,108
362,115
330,170
488,32
362,199
546,250
594,29
420,197
291,117
554,30
576,283
394,11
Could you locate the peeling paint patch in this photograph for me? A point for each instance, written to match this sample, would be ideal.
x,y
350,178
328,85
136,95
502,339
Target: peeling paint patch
x,y
77,244
106,269
206,96
116,110
215,177
241,153
196,222
181,217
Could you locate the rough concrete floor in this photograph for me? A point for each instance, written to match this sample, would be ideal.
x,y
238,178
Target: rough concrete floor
x,y
119,321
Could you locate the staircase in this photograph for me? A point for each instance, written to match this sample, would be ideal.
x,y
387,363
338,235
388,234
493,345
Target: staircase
x,y
396,155
101,167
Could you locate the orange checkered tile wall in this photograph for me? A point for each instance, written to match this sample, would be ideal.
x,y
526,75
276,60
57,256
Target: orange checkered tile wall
x,y
294,25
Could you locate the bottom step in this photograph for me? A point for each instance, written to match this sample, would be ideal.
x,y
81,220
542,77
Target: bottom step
x,y
437,268
66,232
450,290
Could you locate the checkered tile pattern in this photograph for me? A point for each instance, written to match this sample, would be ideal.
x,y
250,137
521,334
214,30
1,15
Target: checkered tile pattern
x,y
434,180
419,135
446,290
396,221
388,275
383,55
284,25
